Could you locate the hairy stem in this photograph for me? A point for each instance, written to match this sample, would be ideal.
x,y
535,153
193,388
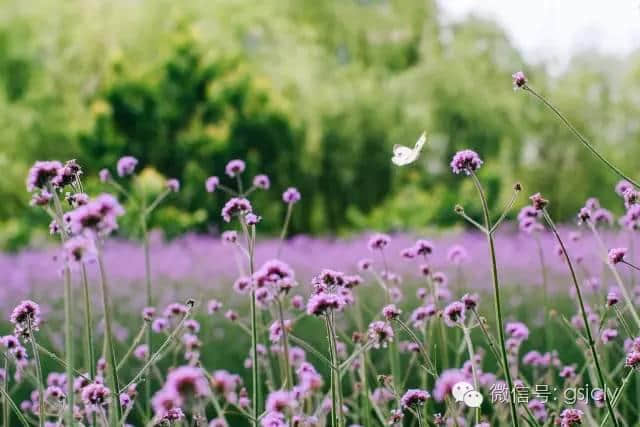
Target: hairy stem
x,y
496,298
88,319
38,365
581,138
285,227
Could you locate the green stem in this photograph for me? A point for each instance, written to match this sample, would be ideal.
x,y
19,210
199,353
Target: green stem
x,y
133,346
474,373
36,357
496,298
91,361
585,318
285,227
5,387
616,398
285,345
581,138
112,371
149,302
15,408
334,397
68,304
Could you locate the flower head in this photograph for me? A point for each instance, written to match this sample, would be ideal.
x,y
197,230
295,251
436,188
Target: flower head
x,y
211,184
466,161
378,241
104,175
261,181
380,333
616,255
414,397
291,195
235,205
234,168
173,185
519,80
538,202
453,314
126,165
391,312
26,315
41,174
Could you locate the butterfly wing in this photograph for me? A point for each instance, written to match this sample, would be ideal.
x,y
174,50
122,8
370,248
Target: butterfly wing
x,y
402,155
420,142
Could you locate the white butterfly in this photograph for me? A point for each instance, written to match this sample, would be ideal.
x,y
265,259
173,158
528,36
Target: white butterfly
x,y
404,155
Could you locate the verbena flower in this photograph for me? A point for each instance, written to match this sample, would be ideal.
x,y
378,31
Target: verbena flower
x,y
423,247
538,202
95,395
470,301
69,173
320,303
519,80
234,168
616,255
608,335
633,360
98,216
379,241
414,397
391,312
570,417
453,314
280,401
235,206
211,184
173,185
252,219
262,182
104,175
622,186
41,174
291,195
380,334
457,255
126,166
26,314
466,161
187,382
79,249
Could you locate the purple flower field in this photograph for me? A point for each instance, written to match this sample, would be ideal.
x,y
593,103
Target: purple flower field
x,y
508,323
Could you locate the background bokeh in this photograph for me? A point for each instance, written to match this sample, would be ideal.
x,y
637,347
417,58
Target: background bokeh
x,y
313,93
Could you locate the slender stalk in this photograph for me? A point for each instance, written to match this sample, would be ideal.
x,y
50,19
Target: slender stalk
x,y
507,208
88,330
149,302
474,373
338,379
545,292
133,346
585,318
496,298
616,398
5,387
285,227
36,358
285,345
428,364
255,374
630,265
112,371
581,138
334,396
68,314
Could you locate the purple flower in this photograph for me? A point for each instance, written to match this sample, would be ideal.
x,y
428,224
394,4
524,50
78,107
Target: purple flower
x,y
380,333
414,397
67,174
213,306
391,312
41,198
616,255
538,202
466,161
631,218
364,264
322,302
378,241
98,216
273,419
95,395
230,236
163,401
423,247
276,331
570,417
126,166
148,313
261,181
622,186
453,314
235,205
187,381
25,315
141,352
160,325
280,401
538,409
602,216
519,80
234,168
211,184
291,195
457,255
633,360
173,185
104,175
608,335
41,174
445,382
517,330
470,301
421,314
275,274
612,299
252,219
79,249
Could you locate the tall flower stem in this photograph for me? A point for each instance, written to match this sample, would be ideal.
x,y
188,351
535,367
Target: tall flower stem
x,y
545,292
68,313
474,373
255,374
88,320
336,405
581,138
149,302
585,318
5,400
36,358
616,275
285,345
496,297
112,371
285,227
